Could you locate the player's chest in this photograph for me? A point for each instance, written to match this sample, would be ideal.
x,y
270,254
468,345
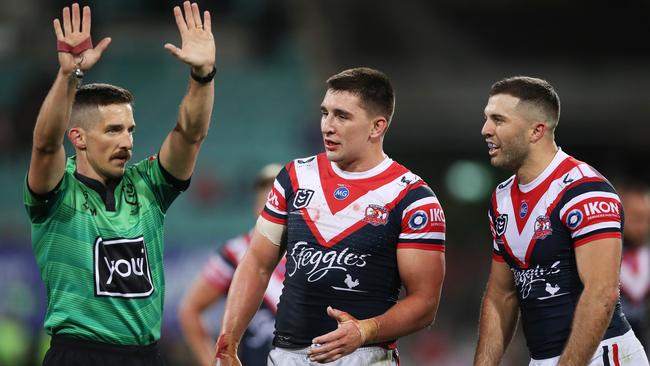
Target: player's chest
x,y
528,228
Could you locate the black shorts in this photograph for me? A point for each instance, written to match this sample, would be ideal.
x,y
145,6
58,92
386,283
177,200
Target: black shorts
x,y
69,351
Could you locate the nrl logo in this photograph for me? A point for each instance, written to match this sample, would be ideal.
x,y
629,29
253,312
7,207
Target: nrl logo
x,y
302,198
501,224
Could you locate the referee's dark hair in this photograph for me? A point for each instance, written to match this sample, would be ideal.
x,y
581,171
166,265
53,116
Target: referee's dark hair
x,y
372,86
90,96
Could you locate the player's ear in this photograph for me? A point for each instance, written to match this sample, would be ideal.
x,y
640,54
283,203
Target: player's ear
x,y
538,131
77,137
379,127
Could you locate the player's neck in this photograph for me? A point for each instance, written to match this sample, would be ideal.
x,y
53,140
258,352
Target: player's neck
x,y
538,159
363,164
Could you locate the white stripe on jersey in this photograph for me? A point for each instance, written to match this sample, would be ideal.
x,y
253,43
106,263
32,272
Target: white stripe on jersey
x,y
519,242
419,203
330,225
271,208
427,235
600,225
278,187
585,196
588,171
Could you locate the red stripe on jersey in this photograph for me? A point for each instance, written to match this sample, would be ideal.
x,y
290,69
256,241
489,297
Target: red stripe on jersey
x,y
532,198
594,210
345,233
557,200
330,181
615,354
276,200
605,235
291,171
435,220
434,247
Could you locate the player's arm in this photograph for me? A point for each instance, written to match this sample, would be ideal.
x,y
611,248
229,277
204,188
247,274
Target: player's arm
x,y
200,296
181,147
598,265
499,315
422,273
248,287
47,164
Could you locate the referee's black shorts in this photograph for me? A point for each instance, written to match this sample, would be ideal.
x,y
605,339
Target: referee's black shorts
x,y
68,351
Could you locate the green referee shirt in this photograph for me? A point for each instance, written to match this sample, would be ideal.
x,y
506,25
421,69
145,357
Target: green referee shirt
x,y
100,250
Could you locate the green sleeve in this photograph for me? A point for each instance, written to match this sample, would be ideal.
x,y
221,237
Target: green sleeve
x,y
164,186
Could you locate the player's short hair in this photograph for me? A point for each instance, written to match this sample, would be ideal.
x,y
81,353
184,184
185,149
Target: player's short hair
x,y
266,176
536,92
90,96
371,86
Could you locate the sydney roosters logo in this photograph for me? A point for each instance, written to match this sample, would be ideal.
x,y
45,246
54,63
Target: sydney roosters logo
x,y
376,215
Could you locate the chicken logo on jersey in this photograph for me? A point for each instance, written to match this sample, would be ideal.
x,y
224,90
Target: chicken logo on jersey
x,y
376,215
542,227
349,282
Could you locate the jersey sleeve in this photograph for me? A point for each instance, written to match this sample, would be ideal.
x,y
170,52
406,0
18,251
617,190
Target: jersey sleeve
x,y
165,186
218,272
496,252
275,209
592,211
40,206
422,221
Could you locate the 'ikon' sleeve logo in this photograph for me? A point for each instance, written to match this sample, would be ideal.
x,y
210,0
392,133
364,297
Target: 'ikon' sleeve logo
x,y
121,268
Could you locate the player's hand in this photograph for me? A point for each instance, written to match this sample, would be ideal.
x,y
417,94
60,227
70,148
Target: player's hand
x,y
197,43
76,30
226,351
341,342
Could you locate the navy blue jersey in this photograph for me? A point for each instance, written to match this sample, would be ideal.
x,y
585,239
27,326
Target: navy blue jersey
x,y
536,228
343,233
255,344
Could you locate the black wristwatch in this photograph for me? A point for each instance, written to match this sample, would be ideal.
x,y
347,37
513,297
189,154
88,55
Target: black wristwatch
x,y
204,79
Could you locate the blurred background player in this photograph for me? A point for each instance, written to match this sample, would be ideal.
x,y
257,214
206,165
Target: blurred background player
x,y
635,267
213,283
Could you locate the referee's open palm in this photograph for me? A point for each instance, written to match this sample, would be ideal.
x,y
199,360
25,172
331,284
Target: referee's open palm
x,y
75,31
197,48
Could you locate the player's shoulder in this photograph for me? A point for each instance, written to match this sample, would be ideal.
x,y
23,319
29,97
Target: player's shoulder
x,y
582,177
407,180
505,185
308,161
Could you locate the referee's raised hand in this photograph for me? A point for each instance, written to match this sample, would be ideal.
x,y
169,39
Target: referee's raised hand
x,y
197,43
74,42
